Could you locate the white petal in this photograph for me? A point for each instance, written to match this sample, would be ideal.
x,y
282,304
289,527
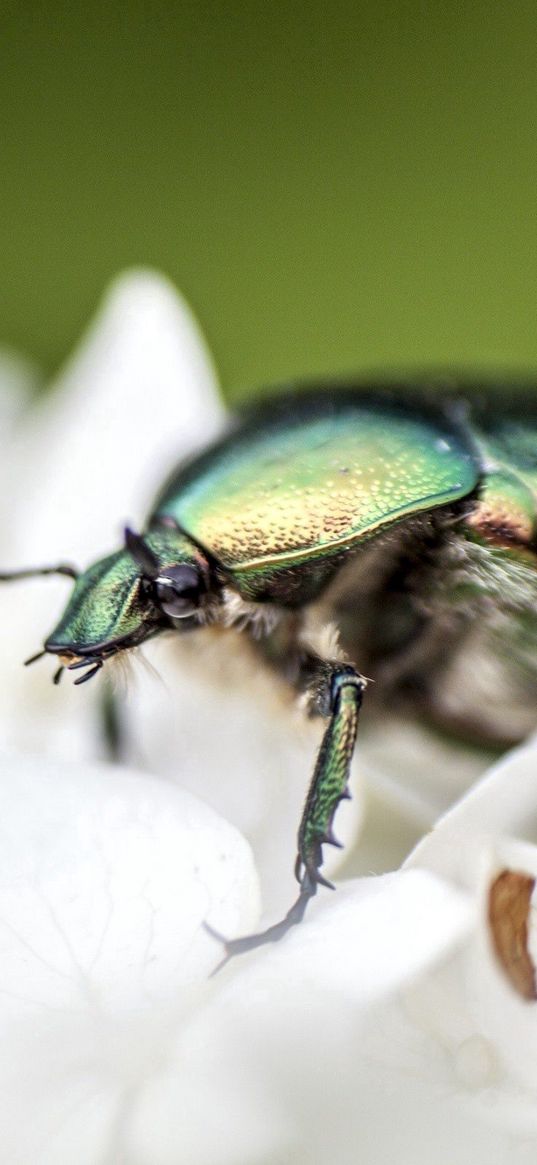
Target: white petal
x,y
368,940
137,396
472,1007
105,879
327,1037
503,802
107,874
415,771
282,1037
452,1060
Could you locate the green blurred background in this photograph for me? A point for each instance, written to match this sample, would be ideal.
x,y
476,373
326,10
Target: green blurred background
x,y
334,186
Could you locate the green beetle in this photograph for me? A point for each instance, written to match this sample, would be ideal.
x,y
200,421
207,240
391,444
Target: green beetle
x,y
406,520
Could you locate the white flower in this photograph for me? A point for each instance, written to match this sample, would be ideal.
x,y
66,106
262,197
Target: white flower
x,y
384,1027
381,1026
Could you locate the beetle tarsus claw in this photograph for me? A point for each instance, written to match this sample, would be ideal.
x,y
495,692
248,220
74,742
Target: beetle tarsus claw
x,y
273,934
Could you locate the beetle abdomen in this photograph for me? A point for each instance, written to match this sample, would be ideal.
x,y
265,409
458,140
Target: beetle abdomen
x,y
321,474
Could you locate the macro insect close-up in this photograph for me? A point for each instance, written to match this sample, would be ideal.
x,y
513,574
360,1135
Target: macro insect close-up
x,y
268,584
355,533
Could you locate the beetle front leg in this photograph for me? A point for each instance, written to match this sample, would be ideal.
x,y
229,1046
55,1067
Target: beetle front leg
x,y
337,692
338,695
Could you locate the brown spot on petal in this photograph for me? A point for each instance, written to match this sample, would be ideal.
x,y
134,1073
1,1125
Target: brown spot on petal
x,y
509,905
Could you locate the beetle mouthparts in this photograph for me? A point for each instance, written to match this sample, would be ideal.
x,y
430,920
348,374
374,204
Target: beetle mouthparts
x,y
34,658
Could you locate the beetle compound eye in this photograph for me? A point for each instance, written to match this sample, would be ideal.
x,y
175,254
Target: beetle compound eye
x,y
178,591
177,606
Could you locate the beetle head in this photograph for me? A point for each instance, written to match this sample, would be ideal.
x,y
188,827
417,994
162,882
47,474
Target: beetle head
x,y
158,581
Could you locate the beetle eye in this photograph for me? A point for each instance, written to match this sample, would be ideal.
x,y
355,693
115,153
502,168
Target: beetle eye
x,y
178,591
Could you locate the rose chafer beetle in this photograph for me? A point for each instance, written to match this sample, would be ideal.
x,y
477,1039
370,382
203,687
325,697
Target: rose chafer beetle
x,y
386,529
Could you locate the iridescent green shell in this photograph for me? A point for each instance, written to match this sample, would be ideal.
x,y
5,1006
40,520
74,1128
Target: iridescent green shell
x,y
309,477
104,598
107,604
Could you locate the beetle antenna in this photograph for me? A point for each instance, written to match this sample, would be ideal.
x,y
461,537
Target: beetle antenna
x,y
58,674
142,554
61,568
